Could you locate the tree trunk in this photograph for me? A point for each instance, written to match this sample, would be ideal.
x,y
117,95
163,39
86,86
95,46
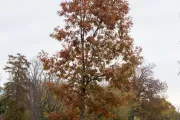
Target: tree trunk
x,y
83,94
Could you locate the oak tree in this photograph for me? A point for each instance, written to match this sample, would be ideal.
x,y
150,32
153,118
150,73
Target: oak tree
x,y
97,48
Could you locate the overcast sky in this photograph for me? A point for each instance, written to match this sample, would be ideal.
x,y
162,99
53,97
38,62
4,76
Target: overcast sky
x,y
25,26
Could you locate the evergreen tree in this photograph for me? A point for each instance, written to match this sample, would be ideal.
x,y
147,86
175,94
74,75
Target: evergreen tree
x,y
15,92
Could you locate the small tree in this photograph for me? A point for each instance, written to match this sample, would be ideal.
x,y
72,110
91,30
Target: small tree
x,y
97,48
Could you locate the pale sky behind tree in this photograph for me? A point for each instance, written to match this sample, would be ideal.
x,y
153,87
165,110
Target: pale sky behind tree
x,y
25,26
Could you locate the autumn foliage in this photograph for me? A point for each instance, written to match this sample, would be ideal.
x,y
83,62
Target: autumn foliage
x,y
96,75
97,48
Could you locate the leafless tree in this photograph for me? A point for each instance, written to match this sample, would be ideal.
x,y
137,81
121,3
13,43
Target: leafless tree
x,y
36,76
147,86
40,98
149,91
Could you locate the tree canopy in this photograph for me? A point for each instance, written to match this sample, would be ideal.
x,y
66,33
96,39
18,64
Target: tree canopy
x,y
99,73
